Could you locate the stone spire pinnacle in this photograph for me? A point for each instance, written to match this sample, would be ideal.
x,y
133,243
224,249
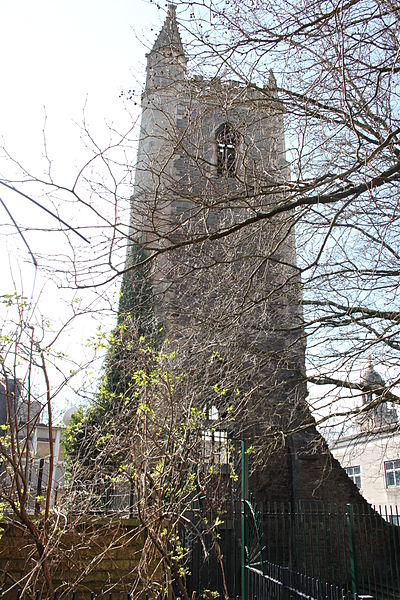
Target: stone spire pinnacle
x,y
166,61
169,38
272,80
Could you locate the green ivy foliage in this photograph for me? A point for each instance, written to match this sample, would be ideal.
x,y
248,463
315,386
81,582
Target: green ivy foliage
x,y
118,385
135,320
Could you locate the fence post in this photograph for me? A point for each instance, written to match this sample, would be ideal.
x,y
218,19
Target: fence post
x,y
244,496
131,500
285,581
39,486
352,554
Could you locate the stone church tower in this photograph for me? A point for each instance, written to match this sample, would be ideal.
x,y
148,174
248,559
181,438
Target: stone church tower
x,y
210,176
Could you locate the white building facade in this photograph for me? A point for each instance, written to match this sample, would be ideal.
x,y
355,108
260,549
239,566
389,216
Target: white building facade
x,y
371,456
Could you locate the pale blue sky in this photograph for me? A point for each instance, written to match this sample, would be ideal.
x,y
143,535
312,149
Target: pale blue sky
x,y
57,57
55,54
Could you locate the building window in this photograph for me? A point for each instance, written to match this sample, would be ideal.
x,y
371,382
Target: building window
x,y
215,446
226,150
355,474
213,414
367,397
392,473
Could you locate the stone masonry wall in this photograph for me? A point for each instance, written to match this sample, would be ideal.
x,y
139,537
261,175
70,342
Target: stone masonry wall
x,y
93,558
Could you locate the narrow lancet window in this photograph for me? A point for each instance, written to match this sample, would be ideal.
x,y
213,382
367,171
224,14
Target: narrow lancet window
x,y
226,150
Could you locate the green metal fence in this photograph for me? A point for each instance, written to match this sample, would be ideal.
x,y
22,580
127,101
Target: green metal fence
x,y
351,546
300,549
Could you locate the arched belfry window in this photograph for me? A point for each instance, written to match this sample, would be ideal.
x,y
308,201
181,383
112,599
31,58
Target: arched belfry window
x,y
226,140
